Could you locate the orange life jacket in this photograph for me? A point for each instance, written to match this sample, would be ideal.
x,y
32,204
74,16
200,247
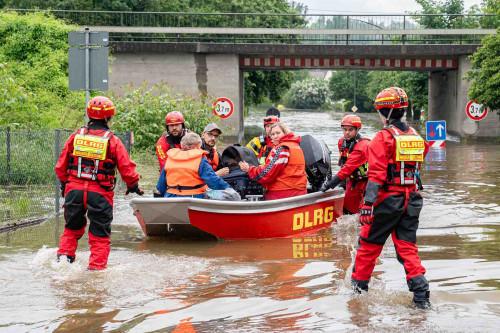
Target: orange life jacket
x,y
102,171
293,175
213,158
182,174
407,172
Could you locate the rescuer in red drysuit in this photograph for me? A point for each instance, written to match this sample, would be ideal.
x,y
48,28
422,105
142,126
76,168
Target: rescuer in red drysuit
x,y
284,173
87,183
176,129
392,203
353,164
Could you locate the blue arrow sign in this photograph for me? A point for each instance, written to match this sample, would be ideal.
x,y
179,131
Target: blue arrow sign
x,y
435,130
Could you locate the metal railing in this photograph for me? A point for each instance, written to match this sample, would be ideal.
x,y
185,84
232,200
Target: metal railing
x,y
270,20
292,28
29,190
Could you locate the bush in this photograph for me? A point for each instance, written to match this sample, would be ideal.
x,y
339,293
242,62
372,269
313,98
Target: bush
x,y
143,111
308,94
33,73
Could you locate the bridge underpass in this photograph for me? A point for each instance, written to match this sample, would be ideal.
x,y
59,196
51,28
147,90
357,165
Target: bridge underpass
x,y
177,49
217,70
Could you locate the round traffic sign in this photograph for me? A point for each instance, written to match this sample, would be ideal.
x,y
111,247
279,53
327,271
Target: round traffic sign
x,y
476,111
223,107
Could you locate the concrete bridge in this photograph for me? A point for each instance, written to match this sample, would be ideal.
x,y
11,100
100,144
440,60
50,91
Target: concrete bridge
x,y
208,53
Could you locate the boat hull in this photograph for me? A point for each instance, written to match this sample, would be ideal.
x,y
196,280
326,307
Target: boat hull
x,y
240,220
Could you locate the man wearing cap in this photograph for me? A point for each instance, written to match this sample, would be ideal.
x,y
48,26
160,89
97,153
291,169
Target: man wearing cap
x,y
208,143
262,145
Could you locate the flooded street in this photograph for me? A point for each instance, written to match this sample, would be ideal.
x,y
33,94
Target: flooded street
x,y
280,285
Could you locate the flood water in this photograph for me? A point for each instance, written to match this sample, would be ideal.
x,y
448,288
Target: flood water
x,y
281,285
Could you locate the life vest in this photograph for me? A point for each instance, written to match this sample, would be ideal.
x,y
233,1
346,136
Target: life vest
x,y
404,166
213,158
293,175
346,148
261,147
182,174
90,158
168,143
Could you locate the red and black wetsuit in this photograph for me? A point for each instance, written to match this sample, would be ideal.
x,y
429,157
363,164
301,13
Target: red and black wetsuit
x,y
354,164
89,193
393,190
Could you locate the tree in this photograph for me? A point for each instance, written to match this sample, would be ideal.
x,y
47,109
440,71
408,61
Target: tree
x,y
310,93
350,85
485,73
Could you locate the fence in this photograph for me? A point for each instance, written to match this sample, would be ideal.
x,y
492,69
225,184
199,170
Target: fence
x,y
29,191
321,29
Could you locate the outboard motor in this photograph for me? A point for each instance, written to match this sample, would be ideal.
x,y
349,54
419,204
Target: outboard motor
x,y
238,179
318,161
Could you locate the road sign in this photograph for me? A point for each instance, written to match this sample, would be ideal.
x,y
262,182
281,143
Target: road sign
x,y
476,111
354,108
98,69
223,107
88,60
435,130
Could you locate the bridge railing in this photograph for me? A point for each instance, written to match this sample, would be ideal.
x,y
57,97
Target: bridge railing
x,y
283,28
272,20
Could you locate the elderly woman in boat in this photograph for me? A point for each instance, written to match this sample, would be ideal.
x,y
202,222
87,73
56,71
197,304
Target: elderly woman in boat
x,y
187,172
283,174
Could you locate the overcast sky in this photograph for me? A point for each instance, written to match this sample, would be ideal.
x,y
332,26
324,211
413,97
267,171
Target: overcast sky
x,y
367,6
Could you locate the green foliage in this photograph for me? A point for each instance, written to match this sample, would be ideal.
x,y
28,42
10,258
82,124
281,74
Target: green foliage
x,y
369,84
342,86
260,85
414,83
308,94
143,111
485,73
33,81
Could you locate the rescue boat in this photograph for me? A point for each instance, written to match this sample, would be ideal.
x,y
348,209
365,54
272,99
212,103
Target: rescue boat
x,y
281,218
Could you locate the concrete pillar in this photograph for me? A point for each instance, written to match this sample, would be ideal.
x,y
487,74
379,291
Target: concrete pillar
x,y
215,75
447,100
224,79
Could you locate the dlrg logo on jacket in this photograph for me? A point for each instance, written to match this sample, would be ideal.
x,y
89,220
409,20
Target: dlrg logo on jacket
x,y
90,146
410,148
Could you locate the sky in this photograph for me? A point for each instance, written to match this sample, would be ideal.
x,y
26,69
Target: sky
x,y
367,6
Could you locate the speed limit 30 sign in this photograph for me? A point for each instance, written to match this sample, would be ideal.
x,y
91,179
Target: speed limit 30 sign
x,y
476,111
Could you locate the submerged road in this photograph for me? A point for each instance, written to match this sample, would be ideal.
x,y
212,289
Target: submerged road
x,y
281,285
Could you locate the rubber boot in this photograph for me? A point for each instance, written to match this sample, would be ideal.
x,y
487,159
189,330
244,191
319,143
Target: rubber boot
x,y
420,288
99,252
359,286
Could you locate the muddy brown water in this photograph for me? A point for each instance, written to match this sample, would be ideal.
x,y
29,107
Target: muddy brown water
x,y
280,285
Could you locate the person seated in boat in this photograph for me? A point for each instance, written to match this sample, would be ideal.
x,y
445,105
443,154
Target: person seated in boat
x,y
284,173
262,145
187,173
208,143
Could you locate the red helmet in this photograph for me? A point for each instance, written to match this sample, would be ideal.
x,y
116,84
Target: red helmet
x,y
100,107
351,120
271,120
174,118
391,98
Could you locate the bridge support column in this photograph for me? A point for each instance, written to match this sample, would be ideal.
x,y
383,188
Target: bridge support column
x,y
448,98
194,74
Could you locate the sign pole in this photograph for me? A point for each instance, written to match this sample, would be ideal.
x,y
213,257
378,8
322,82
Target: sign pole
x,y
87,71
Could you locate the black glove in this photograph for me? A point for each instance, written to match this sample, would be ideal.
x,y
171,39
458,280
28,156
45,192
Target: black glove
x,y
134,189
63,188
332,183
